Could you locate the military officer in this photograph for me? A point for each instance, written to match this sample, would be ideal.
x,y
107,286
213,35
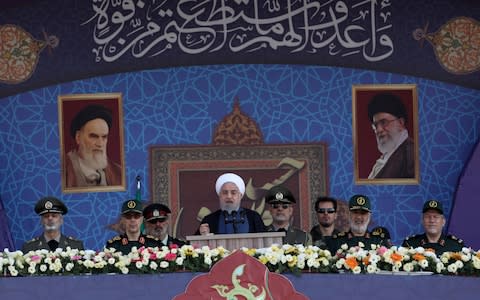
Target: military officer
x,y
157,221
360,214
51,211
433,221
132,219
280,204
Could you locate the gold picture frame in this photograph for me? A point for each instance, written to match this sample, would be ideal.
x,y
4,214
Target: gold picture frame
x,y
76,110
366,149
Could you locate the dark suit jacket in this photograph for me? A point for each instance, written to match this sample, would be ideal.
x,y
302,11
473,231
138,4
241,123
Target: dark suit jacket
x,y
40,243
255,222
402,162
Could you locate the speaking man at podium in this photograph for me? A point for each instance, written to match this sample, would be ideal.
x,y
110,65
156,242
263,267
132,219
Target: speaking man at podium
x,y
231,217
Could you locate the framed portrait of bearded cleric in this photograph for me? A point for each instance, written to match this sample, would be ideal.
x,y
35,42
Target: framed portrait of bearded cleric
x,y
91,142
385,134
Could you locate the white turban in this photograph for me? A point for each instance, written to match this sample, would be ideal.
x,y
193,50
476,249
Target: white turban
x,y
230,177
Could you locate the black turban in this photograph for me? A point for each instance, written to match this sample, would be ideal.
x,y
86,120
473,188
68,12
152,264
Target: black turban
x,y
386,103
89,113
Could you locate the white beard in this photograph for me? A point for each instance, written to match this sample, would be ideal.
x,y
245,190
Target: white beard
x,y
389,142
96,160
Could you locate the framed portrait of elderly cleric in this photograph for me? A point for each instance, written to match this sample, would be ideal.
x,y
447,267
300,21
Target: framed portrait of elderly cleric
x,y
385,134
91,142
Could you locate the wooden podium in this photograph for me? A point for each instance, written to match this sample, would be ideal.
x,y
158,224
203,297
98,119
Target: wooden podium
x,y
238,240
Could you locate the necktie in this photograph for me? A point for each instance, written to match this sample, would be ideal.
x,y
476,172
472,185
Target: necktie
x,y
53,244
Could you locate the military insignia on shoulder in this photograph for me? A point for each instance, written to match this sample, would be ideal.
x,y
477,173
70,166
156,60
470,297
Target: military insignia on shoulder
x,y
151,237
117,238
341,234
377,233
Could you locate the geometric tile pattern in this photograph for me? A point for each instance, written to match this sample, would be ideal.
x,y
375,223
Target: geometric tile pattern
x,y
178,106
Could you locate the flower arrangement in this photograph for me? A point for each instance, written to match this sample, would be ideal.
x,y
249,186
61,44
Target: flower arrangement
x,y
278,258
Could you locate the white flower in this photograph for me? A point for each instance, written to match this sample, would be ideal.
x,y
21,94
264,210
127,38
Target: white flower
x,y
69,266
153,265
139,264
43,268
372,268
459,264
408,267
163,264
357,270
179,260
452,268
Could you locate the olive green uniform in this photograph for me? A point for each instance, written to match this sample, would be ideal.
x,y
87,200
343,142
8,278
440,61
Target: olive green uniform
x,y
41,243
294,236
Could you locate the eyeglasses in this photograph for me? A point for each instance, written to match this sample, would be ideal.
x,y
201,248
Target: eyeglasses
x,y
383,123
278,205
326,210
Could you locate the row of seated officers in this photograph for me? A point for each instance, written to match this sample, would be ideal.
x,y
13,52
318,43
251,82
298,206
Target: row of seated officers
x,y
232,218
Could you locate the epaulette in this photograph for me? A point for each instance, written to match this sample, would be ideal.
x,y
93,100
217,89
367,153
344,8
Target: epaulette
x,y
451,236
151,237
33,240
340,234
72,238
116,238
411,236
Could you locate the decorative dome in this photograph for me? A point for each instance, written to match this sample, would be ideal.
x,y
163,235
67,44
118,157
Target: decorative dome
x,y
237,128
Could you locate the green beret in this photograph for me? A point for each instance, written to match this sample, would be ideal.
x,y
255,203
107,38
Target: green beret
x,y
279,193
359,202
50,205
386,103
433,204
88,113
132,206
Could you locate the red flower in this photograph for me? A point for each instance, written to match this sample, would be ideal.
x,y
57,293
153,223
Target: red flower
x,y
170,257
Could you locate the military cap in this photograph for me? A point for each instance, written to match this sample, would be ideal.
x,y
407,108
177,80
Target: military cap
x,y
132,206
386,103
88,113
359,202
156,211
433,204
279,193
50,205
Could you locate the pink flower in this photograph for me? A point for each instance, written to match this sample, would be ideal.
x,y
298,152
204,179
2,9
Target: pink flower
x,y
36,258
173,246
382,250
170,257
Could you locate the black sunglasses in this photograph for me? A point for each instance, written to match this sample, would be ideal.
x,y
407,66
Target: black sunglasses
x,y
326,210
278,205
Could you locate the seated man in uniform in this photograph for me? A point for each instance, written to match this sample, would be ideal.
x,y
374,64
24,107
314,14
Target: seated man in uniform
x,y
433,222
360,213
132,220
157,221
231,217
326,208
51,211
281,201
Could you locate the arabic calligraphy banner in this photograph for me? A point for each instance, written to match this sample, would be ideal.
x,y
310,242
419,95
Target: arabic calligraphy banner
x,y
80,39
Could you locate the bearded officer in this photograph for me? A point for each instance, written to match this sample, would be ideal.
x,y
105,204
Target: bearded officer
x,y
51,211
360,215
